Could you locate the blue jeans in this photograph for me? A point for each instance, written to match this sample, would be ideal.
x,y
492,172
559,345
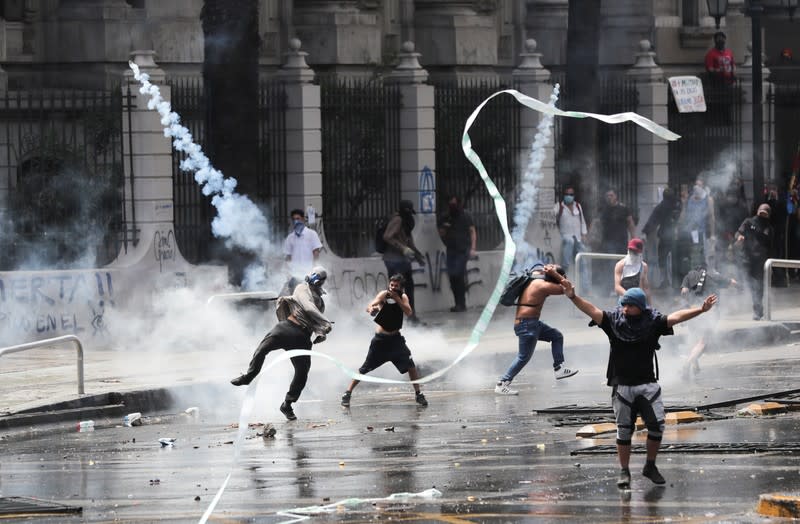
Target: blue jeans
x,y
529,331
571,246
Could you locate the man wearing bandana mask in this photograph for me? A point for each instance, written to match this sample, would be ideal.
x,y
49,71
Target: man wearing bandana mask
x,y
401,250
631,271
755,236
301,247
633,330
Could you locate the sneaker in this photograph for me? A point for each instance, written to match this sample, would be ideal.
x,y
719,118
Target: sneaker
x,y
346,399
564,372
421,400
624,479
242,380
503,388
653,474
286,409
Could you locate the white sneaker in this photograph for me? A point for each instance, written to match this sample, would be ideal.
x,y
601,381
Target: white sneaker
x,y
564,372
502,388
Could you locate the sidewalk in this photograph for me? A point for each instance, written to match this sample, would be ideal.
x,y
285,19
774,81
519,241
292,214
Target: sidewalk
x,y
120,381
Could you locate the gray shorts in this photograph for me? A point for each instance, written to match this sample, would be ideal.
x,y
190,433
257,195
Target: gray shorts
x,y
631,401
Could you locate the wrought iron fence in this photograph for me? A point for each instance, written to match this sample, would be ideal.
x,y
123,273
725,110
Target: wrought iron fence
x,y
61,158
707,139
360,160
783,101
193,210
616,143
495,137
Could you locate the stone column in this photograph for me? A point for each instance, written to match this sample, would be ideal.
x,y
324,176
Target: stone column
x,y
652,153
745,74
148,171
303,131
532,79
417,145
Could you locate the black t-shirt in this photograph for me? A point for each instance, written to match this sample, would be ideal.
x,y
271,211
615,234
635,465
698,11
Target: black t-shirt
x,y
390,317
633,346
457,225
758,234
615,225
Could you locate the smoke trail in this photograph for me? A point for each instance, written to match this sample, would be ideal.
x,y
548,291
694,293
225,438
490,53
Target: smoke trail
x,y
527,200
238,219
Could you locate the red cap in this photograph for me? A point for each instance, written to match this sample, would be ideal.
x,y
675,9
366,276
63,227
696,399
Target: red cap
x,y
636,244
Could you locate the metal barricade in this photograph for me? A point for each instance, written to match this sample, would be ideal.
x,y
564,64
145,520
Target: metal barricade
x,y
768,265
590,256
48,342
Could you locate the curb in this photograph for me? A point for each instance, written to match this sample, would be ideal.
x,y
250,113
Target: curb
x,y
779,505
682,417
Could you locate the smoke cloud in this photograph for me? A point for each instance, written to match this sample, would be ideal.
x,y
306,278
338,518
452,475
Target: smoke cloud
x,y
527,200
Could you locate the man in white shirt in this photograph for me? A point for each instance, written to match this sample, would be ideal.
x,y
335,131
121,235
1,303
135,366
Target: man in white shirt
x,y
301,248
572,227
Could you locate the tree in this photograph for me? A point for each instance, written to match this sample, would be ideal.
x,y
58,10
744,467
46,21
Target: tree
x,y
580,135
230,80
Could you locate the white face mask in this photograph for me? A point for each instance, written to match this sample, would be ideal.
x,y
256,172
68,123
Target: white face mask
x,y
634,258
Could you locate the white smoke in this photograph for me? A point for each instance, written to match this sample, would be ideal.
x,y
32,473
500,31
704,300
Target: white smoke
x,y
527,200
239,221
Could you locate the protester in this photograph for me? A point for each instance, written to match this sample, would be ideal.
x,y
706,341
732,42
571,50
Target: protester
x,y
697,226
401,250
299,317
301,249
755,237
631,271
573,230
720,64
697,283
616,224
388,345
633,331
529,329
662,225
458,233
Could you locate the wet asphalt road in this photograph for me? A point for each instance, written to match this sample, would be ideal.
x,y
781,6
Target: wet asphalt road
x,y
494,459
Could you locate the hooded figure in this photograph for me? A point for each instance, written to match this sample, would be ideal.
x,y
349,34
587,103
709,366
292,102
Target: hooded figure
x,y
300,316
755,236
400,249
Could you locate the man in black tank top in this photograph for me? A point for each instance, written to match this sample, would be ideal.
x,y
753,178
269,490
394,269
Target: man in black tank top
x,y
388,345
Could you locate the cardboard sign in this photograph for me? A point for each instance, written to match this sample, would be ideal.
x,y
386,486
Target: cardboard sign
x,y
688,94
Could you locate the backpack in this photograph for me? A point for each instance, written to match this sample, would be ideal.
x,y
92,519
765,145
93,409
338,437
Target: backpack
x,y
380,229
515,286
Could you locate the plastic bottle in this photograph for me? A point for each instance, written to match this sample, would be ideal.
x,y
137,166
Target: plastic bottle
x,y
86,425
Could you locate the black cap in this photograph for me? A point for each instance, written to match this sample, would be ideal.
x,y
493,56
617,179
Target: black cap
x,y
407,205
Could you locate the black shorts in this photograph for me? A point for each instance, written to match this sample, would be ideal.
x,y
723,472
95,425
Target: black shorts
x,y
387,348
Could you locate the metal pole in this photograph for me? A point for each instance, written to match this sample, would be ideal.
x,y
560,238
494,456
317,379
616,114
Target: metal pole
x,y
758,141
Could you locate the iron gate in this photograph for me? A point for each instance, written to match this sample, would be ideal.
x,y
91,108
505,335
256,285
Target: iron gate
x,y
617,160
61,153
193,210
706,138
360,160
495,136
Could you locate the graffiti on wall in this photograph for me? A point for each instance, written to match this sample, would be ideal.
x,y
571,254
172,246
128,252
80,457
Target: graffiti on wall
x,y
357,286
164,247
55,304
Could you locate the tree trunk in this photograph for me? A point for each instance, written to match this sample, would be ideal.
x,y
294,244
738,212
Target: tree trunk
x,y
582,90
230,80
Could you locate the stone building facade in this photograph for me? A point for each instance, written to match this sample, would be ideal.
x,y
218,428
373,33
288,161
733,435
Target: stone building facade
x,y
86,44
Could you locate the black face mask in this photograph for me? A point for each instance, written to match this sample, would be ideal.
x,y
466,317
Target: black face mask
x,y
408,220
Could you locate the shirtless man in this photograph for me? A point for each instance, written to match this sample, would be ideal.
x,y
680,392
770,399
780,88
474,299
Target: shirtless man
x,y
529,329
388,345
